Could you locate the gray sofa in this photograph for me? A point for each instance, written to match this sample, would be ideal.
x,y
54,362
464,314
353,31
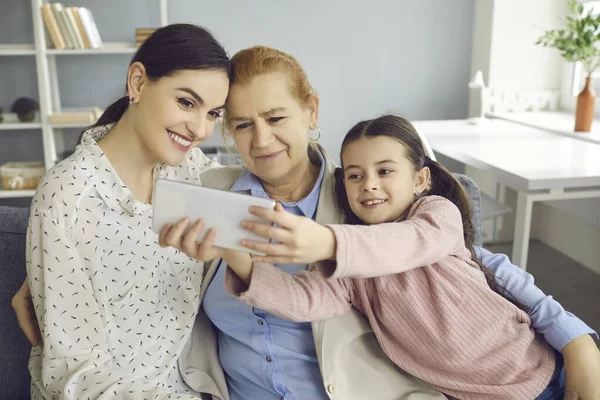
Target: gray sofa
x,y
14,347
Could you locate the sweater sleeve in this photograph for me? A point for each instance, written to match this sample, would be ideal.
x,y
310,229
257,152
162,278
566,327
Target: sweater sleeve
x,y
432,231
306,296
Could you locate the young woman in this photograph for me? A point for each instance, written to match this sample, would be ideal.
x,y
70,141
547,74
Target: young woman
x,y
114,309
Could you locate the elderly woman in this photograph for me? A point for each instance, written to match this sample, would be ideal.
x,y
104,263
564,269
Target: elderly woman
x,y
271,112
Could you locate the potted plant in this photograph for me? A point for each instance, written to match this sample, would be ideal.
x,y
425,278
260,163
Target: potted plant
x,y
579,41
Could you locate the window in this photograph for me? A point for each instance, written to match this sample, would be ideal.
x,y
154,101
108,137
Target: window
x,y
579,75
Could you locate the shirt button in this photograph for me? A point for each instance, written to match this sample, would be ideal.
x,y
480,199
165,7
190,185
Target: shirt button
x,y
260,322
331,388
269,359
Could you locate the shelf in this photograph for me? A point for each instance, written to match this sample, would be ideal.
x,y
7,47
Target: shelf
x,y
71,126
17,50
108,48
11,122
13,194
8,126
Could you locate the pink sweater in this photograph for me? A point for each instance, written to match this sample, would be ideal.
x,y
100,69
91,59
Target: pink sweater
x,y
428,304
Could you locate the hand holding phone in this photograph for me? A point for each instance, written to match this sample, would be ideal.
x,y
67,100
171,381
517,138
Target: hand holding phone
x,y
174,201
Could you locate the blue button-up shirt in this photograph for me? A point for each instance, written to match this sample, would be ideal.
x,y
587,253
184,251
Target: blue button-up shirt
x,y
548,317
265,357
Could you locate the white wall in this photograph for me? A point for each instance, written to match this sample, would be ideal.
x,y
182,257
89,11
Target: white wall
x,y
364,58
516,62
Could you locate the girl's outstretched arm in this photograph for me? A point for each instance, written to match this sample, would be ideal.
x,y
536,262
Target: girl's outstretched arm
x,y
433,231
307,296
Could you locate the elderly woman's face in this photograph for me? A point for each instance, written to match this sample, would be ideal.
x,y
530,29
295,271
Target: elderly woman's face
x,y
270,127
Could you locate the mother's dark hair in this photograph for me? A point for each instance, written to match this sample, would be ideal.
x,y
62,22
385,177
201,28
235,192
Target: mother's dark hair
x,y
170,49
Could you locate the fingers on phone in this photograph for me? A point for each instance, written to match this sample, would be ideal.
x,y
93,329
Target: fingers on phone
x,y
173,237
191,238
163,235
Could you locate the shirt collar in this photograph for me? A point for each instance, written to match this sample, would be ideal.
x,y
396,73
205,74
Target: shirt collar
x,y
103,177
247,181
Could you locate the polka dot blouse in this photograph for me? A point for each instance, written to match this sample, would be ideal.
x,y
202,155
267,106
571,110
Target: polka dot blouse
x,y
114,308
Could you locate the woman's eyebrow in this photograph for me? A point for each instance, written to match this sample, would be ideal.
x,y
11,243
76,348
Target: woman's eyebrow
x,y
194,95
271,111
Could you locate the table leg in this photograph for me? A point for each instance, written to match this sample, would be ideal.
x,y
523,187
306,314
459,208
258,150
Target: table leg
x,y
522,230
499,221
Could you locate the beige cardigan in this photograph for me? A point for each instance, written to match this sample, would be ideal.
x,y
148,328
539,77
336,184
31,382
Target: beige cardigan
x,y
353,365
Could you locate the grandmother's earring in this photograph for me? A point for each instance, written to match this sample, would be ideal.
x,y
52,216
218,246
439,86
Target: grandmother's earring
x,y
131,100
318,137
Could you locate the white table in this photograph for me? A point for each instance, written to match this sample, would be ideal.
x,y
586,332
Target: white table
x,y
538,164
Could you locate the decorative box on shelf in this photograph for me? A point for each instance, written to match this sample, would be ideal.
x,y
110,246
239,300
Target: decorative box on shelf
x,y
21,175
141,34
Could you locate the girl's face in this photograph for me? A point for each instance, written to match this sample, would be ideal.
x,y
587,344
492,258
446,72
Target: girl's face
x,y
176,113
380,180
270,127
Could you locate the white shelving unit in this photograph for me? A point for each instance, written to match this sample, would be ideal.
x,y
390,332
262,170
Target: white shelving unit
x,y
17,49
48,86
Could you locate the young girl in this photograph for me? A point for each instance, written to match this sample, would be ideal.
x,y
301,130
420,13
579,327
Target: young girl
x,y
413,274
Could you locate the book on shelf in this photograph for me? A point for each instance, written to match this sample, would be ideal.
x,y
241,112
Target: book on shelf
x,y
52,27
74,28
70,27
63,24
86,41
89,25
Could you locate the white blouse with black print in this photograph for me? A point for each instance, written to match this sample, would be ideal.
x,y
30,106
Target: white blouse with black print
x,y
114,308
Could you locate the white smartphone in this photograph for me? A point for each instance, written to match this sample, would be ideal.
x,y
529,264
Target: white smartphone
x,y
219,209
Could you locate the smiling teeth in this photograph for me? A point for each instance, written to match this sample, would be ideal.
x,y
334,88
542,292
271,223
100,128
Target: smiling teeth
x,y
373,202
179,140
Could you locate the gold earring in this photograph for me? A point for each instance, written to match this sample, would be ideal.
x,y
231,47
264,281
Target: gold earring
x,y
318,137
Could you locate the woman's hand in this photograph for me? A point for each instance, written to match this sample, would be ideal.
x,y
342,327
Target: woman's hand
x,y
300,240
582,369
172,235
23,307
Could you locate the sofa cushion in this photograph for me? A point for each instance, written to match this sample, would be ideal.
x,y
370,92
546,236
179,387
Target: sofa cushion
x,y
14,347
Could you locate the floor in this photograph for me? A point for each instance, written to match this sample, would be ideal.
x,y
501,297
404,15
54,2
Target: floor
x,y
576,287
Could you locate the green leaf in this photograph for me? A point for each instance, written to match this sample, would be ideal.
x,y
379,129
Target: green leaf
x,y
579,40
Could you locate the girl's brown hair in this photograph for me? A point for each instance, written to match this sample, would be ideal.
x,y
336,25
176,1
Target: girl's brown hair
x,y
442,182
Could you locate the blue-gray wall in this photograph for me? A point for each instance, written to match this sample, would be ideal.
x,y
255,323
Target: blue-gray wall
x,y
364,58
